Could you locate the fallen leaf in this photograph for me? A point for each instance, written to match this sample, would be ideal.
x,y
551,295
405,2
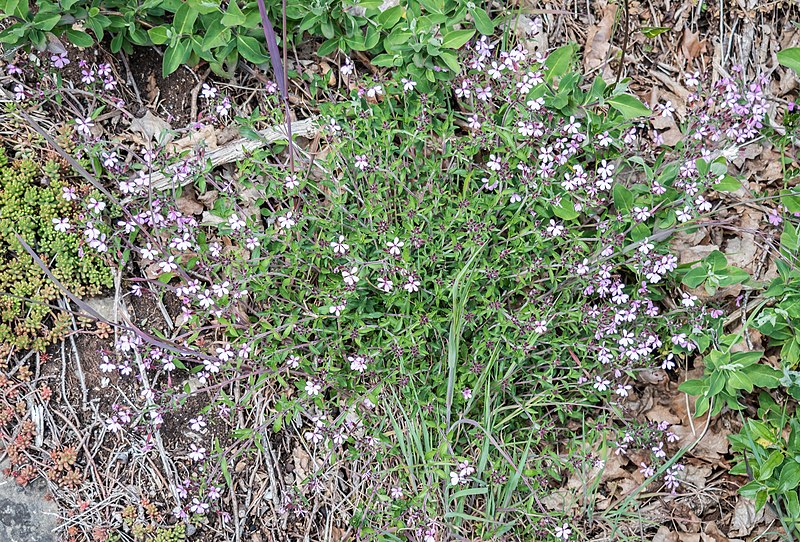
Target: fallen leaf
x,y
742,250
665,535
691,46
711,447
188,203
713,534
660,413
153,128
744,517
530,33
670,133
598,43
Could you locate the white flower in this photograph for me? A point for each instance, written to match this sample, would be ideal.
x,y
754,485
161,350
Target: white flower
x,y
96,206
396,493
169,265
454,478
408,84
395,247
385,284
197,424
235,222
361,161
340,247
313,388
68,193
291,182
84,126
600,384
293,362
412,285
555,229
61,224
336,309
563,531
287,221
198,507
208,91
350,277
197,453
357,363
540,326
688,299
667,109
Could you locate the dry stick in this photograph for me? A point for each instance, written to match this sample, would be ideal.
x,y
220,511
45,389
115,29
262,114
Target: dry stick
x,y
79,371
624,44
238,149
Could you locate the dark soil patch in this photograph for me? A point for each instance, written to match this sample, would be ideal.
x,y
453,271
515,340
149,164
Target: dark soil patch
x,y
170,98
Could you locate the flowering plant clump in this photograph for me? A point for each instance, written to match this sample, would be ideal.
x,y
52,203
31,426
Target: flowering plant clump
x,y
443,300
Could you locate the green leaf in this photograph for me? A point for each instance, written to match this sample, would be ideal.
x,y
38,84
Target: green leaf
x,y
79,38
654,31
565,209
623,198
790,58
790,240
559,61
390,17
116,44
629,106
46,21
789,478
693,387
233,15
159,35
457,38
695,276
764,377
250,49
183,23
773,462
790,199
727,184
738,380
482,21
174,56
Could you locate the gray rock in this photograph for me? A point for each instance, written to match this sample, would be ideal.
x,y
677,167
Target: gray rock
x,y
25,516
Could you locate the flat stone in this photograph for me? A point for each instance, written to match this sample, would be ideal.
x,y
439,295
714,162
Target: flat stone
x,y
25,515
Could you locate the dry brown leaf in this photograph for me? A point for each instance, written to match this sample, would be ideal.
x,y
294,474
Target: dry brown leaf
x,y
598,42
670,133
742,250
711,447
153,128
188,203
691,46
207,135
696,477
744,517
713,534
613,468
531,33
665,535
660,413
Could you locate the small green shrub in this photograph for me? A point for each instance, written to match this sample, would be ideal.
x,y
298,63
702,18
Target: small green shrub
x,y
31,199
419,37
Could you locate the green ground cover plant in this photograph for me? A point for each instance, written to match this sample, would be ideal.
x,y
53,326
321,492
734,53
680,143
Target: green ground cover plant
x,y
449,298
420,38
449,310
32,205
